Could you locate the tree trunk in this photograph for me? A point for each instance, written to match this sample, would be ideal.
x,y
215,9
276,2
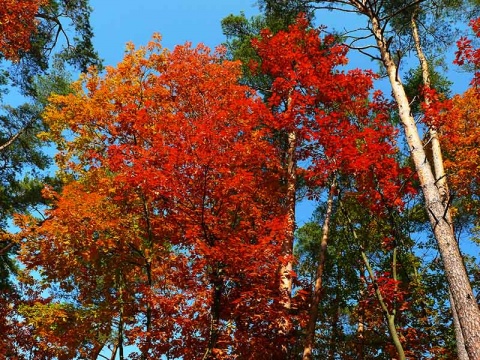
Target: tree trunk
x,y
286,266
148,270
217,283
461,351
120,322
439,174
463,299
388,315
317,292
360,345
437,157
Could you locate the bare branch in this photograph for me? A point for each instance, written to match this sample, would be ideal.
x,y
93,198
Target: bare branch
x,y
60,30
13,138
6,248
362,51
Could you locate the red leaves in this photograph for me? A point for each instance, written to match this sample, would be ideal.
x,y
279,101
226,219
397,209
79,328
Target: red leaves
x,y
17,23
435,107
173,214
467,54
176,194
338,127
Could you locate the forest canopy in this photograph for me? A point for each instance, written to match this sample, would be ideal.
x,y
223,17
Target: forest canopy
x,y
169,228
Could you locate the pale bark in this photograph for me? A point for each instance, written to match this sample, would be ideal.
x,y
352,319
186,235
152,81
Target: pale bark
x,y
439,174
317,292
437,157
463,299
286,265
361,327
286,268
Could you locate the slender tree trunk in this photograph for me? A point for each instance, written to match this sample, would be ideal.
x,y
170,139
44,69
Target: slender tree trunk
x,y
388,315
114,351
217,290
439,173
120,322
437,158
461,351
360,347
14,137
148,270
463,299
286,267
317,292
334,337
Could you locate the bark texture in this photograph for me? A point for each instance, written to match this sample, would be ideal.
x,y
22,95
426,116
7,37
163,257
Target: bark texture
x,y
463,299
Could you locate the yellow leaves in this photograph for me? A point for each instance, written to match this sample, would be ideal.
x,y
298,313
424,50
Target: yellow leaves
x,y
46,317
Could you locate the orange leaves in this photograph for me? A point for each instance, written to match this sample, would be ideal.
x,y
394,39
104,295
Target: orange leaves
x,y
171,203
17,23
460,138
172,215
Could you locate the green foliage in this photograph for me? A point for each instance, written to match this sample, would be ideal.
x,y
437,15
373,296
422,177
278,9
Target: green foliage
x,y
414,84
63,38
350,323
63,33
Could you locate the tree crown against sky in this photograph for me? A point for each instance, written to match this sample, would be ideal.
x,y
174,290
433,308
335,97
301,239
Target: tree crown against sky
x,y
172,229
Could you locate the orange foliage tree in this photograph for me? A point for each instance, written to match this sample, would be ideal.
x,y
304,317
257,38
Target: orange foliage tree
x,y
168,227
461,135
17,23
460,128
179,191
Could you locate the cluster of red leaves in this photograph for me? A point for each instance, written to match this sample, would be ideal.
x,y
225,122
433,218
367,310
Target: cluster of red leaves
x,y
468,54
172,216
396,296
17,23
174,213
436,108
338,127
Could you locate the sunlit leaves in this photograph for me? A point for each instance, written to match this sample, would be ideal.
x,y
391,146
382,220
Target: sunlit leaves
x,y
17,23
169,213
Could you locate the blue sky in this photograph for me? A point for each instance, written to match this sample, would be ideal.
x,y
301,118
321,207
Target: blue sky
x,y
116,23
177,21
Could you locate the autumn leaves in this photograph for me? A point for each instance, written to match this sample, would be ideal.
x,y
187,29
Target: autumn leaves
x,y
172,220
